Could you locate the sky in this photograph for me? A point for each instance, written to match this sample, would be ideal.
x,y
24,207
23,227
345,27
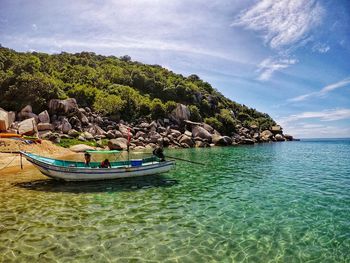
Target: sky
x,y
287,58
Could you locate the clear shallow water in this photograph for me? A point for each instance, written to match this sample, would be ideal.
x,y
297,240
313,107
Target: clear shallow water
x,y
280,202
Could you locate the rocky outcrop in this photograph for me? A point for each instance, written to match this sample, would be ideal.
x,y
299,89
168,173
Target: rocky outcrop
x,y
118,144
64,119
81,148
44,117
202,133
6,119
27,127
63,106
181,113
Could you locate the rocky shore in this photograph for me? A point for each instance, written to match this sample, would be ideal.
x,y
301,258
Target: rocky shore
x,y
64,119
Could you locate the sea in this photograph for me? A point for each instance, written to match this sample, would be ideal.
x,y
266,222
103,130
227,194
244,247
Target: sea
x,y
273,202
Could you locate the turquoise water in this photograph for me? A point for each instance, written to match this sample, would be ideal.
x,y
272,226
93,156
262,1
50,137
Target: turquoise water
x,y
278,202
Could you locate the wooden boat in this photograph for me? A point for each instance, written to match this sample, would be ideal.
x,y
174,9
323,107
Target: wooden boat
x,y
77,171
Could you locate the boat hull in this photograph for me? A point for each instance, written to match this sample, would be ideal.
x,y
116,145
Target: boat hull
x,y
93,174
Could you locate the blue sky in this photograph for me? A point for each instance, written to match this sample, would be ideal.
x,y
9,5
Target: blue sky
x,y
288,58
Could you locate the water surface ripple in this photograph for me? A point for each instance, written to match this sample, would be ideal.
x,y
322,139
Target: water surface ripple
x,y
280,202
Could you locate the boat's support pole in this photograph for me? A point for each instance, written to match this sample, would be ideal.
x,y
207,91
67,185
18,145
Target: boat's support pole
x,y
21,161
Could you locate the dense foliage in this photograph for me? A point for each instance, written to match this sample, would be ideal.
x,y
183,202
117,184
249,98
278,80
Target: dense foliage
x,y
118,87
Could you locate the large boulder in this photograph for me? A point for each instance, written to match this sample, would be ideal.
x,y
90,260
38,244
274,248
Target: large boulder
x,y
202,133
4,120
27,113
266,135
208,127
63,106
27,127
65,126
221,140
45,126
87,135
44,117
118,144
81,148
186,140
96,130
181,113
277,129
279,138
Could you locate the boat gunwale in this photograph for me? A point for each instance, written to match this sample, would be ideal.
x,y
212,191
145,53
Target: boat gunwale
x,y
94,170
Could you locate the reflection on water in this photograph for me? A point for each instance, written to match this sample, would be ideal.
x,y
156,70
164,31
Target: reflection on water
x,y
129,184
286,202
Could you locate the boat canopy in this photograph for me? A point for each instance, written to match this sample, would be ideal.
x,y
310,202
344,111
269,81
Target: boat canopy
x,y
102,151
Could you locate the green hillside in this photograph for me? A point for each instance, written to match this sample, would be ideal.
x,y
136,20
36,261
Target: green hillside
x,y
116,87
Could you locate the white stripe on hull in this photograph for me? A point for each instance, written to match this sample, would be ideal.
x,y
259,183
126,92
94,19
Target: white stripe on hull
x,y
112,174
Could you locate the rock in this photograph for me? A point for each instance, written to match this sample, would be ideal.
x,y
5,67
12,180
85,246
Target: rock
x,y
110,134
247,141
118,144
184,139
44,134
118,134
54,137
87,135
254,127
288,137
221,140
277,129
45,127
266,135
181,113
65,136
84,120
81,148
201,144
200,132
125,130
140,134
154,136
188,133
27,127
44,117
144,125
139,147
73,133
81,138
96,130
75,122
63,106
65,126
161,129
4,120
279,138
185,145
175,133
208,128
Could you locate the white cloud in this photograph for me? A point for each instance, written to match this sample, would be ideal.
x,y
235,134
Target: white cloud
x,y
327,115
316,124
321,48
285,25
323,91
282,22
34,27
268,66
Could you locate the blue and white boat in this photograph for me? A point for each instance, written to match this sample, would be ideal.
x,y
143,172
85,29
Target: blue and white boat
x,y
78,171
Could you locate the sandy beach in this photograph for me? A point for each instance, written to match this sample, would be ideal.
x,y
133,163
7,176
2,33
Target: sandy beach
x,y
45,148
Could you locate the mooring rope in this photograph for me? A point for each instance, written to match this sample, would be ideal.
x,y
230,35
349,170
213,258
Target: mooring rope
x,y
8,163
